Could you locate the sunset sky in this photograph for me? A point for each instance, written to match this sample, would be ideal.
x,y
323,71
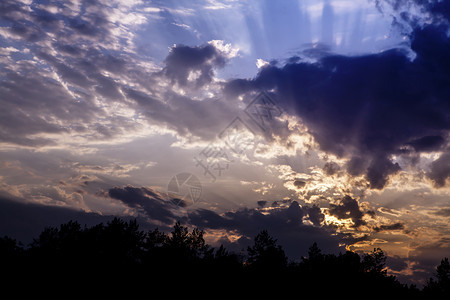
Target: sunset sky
x,y
320,121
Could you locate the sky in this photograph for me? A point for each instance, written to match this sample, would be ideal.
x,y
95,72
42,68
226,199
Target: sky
x,y
320,121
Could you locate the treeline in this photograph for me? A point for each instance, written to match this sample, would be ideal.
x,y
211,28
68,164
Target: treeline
x,y
119,254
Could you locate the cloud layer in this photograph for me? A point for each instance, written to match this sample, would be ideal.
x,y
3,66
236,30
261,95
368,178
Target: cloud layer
x,y
74,71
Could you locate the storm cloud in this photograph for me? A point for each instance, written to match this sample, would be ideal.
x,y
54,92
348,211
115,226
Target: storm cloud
x,y
368,108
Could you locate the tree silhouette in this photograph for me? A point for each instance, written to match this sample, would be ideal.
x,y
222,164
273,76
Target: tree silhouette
x,y
441,286
375,262
443,272
314,253
224,258
265,253
186,246
118,254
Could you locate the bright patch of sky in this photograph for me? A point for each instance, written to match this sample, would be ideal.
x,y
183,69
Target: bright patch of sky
x,y
266,29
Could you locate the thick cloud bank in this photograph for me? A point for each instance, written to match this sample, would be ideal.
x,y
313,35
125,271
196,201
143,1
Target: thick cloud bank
x,y
371,107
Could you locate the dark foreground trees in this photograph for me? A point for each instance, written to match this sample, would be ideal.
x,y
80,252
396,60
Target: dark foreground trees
x,y
118,255
440,287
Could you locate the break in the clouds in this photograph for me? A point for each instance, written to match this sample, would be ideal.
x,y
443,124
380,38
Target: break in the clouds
x,y
104,102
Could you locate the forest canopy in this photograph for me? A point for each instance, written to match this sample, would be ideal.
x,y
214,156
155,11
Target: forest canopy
x,y
107,252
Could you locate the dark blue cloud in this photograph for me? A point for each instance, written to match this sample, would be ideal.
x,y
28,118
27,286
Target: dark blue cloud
x,y
428,143
368,107
433,11
143,198
440,170
182,60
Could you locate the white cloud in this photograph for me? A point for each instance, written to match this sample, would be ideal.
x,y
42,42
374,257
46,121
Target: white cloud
x,y
261,63
226,49
7,50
